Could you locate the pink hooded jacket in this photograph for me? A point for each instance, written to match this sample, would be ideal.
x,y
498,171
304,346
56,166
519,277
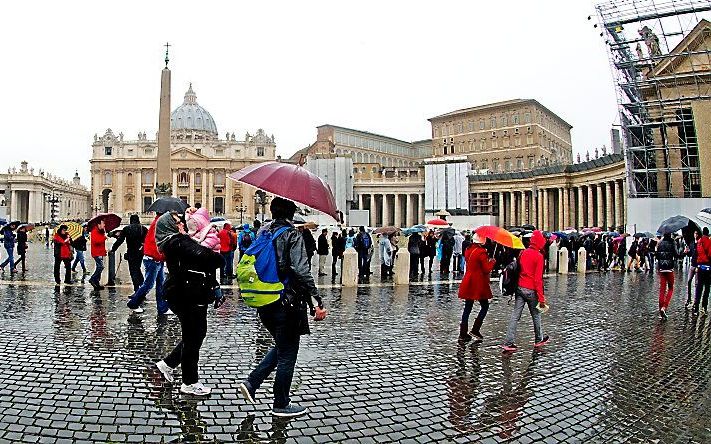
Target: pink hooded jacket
x,y
200,229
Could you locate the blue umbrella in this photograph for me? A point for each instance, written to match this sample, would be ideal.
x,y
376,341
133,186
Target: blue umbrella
x,y
414,229
217,219
561,235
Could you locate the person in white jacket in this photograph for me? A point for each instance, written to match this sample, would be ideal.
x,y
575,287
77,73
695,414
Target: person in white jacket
x,y
386,256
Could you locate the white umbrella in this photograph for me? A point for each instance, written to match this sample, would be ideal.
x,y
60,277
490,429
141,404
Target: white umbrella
x,y
705,216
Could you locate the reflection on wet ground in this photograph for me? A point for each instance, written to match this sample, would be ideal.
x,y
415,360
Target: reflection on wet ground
x,y
384,367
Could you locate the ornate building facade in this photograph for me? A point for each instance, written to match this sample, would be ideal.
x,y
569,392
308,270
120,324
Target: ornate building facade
x,y
123,172
38,197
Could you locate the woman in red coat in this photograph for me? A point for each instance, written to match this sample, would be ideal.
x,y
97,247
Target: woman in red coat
x,y
475,287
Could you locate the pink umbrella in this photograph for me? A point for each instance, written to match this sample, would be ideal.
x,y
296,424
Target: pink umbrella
x,y
596,229
291,182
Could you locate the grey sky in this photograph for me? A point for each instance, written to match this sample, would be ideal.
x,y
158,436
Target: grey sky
x,y
74,69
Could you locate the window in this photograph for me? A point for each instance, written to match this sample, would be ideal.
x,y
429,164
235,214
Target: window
x,y
219,205
219,179
493,123
198,179
445,150
129,178
504,121
130,151
508,165
260,151
149,151
531,162
519,164
198,150
529,140
527,118
107,178
495,165
147,201
482,124
471,126
183,178
514,119
484,164
147,177
107,150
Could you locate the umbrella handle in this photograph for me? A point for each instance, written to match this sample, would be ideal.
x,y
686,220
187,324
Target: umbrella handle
x,y
495,247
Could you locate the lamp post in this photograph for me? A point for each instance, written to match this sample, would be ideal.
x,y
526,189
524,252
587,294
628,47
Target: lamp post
x,y
95,208
53,198
241,208
262,200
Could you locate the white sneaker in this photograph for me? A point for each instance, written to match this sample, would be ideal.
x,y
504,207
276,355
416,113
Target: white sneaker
x,y
166,370
196,389
170,312
138,310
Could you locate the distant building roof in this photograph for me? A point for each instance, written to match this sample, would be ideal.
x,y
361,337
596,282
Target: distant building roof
x,y
365,132
498,105
550,169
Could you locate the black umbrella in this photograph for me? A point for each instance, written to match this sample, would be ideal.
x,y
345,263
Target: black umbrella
x,y
167,204
673,224
528,227
639,235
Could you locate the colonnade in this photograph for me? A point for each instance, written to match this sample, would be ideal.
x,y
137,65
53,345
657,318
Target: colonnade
x,y
398,209
597,204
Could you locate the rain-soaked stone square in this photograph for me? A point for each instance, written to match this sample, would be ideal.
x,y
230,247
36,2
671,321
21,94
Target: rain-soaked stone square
x,y
385,366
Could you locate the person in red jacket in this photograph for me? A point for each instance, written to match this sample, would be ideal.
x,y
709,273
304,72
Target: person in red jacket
x,y
62,254
703,272
475,287
529,292
98,252
227,253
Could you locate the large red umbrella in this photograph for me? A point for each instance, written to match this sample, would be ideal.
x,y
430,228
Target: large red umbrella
x,y
291,182
500,236
111,221
437,223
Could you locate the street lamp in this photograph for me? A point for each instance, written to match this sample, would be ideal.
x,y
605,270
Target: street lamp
x,y
95,208
241,208
53,198
262,200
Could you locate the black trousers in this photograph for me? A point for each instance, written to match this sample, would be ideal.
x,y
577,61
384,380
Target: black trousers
x,y
193,327
67,273
333,265
414,259
703,285
20,259
134,268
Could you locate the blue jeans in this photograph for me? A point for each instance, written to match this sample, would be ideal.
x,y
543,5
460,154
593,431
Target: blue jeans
x,y
10,258
96,277
154,276
79,260
282,356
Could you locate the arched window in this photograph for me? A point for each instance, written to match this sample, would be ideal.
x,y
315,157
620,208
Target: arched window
x,y
183,178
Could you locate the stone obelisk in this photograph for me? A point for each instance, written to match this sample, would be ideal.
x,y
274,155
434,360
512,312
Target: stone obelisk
x,y
164,179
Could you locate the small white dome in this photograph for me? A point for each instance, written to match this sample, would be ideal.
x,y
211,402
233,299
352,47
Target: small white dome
x,y
191,116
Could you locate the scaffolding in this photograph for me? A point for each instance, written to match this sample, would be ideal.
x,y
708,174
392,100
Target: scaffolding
x,y
660,56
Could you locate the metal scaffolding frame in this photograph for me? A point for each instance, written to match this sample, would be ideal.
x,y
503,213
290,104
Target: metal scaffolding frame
x,y
642,36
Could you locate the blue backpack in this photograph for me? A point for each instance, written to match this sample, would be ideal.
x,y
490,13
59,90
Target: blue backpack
x,y
257,274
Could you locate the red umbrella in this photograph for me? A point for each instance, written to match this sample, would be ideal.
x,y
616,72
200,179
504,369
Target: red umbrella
x,y
111,221
291,182
500,236
438,223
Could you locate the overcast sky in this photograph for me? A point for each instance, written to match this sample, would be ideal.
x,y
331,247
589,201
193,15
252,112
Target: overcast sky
x,y
72,69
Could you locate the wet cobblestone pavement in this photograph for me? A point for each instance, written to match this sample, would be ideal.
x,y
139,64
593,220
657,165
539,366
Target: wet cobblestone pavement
x,y
76,366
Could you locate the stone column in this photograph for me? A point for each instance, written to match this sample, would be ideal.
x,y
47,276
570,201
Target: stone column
x,y
175,184
385,210
525,214
31,202
566,208
534,208
420,208
600,207
618,203
561,213
138,195
397,216
580,208
590,222
360,201
410,210
373,210
546,215
539,203
192,189
609,213
210,193
512,208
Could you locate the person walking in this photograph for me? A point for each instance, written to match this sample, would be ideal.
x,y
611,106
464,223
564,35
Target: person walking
x,y
413,247
447,242
79,245
666,255
62,254
703,272
21,247
457,252
286,319
227,253
386,256
46,236
8,233
153,264
245,238
475,287
322,251
363,245
135,235
309,242
98,252
529,292
632,253
338,246
431,241
189,289
465,246
691,252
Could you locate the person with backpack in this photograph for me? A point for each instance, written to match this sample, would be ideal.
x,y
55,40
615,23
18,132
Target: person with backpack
x,y
9,243
363,245
79,245
245,238
322,249
475,287
284,311
529,292
189,289
666,255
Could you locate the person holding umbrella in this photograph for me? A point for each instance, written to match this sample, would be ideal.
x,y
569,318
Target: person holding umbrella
x,y
475,287
134,234
98,252
9,244
62,254
21,246
79,245
153,264
666,261
693,264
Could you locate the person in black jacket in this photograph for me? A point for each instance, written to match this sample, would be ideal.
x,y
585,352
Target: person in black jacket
x,y
79,245
322,251
666,255
21,247
286,319
691,251
135,235
309,243
338,247
189,288
413,247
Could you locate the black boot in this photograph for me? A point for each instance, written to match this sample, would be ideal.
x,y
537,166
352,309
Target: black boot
x,y
463,335
475,331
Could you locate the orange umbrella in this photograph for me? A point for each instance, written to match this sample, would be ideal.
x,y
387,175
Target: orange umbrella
x,y
500,236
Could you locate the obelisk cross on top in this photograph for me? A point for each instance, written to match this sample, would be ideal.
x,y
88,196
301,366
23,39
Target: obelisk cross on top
x,y
164,173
